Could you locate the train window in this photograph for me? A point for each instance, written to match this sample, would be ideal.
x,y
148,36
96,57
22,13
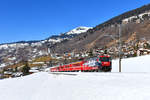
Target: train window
x,y
77,64
97,64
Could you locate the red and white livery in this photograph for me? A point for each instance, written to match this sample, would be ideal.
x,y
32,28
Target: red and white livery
x,y
98,64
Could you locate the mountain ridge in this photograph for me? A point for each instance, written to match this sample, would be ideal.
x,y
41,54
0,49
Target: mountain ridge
x,y
63,35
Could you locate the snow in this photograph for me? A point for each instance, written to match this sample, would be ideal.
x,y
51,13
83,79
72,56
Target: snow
x,y
36,44
13,45
84,86
132,84
13,58
137,64
55,40
4,46
77,30
138,16
2,65
38,63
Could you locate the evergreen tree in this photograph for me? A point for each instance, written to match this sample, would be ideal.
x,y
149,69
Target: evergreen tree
x,y
26,69
105,52
90,53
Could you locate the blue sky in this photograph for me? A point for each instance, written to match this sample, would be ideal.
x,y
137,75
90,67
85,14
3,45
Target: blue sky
x,y
39,19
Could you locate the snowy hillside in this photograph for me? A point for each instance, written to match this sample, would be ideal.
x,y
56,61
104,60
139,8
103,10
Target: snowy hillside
x,y
83,86
12,52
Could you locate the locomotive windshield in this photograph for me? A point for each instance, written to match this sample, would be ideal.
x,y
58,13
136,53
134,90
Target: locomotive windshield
x,y
104,59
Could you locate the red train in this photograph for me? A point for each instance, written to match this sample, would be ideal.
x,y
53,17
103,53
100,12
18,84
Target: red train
x,y
98,64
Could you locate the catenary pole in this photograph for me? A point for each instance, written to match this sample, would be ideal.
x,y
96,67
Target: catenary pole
x,y
120,46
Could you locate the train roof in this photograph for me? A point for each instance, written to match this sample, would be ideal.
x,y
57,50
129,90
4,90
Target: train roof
x,y
104,56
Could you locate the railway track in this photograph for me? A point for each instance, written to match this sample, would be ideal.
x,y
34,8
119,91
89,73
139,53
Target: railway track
x,y
76,73
63,73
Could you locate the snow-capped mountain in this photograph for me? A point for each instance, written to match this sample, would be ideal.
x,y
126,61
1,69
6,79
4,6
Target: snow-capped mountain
x,y
78,30
68,35
54,39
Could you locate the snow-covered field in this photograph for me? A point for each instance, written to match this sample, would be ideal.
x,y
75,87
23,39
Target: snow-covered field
x,y
83,86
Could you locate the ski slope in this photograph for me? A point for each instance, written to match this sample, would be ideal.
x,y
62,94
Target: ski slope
x,y
83,86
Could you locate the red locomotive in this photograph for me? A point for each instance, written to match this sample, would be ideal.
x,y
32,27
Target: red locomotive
x,y
98,64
